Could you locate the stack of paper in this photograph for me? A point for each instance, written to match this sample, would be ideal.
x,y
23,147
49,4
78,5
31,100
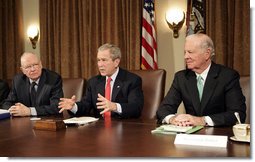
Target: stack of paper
x,y
80,120
173,129
4,114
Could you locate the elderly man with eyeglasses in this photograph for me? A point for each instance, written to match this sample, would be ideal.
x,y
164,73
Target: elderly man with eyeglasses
x,y
34,92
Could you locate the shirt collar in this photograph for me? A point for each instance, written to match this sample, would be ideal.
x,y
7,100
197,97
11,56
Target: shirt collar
x,y
31,81
204,73
114,75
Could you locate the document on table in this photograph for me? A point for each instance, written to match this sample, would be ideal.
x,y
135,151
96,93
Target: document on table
x,y
173,129
4,114
80,120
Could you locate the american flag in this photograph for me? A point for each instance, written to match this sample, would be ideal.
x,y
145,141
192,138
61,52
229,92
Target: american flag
x,y
149,44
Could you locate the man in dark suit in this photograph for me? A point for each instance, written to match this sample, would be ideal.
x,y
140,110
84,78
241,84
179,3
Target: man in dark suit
x,y
40,99
126,99
4,91
221,94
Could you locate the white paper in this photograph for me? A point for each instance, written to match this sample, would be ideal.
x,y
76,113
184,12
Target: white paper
x,y
80,120
3,111
35,118
201,140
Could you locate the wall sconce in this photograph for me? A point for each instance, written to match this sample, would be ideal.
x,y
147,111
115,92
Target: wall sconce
x,y
175,19
33,35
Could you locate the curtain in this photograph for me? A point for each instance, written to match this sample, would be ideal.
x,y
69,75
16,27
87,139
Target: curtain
x,y
228,24
11,37
72,31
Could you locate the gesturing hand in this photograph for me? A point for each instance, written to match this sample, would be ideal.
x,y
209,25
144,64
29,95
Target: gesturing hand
x,y
105,104
66,103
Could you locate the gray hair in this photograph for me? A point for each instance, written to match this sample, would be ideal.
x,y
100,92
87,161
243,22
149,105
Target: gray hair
x,y
205,42
30,53
114,50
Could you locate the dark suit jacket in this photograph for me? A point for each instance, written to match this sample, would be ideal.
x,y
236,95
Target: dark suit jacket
x,y
4,91
127,91
48,93
222,96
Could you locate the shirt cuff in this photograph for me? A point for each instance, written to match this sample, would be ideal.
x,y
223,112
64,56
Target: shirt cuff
x,y
74,109
119,109
167,118
208,121
33,111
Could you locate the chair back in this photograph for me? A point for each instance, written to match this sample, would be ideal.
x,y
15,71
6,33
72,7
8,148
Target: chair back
x,y
73,86
246,89
153,85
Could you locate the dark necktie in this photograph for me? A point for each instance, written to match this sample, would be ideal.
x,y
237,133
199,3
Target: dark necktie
x,y
33,94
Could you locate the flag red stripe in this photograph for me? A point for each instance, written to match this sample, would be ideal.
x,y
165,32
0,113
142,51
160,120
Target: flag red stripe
x,y
147,47
145,64
147,26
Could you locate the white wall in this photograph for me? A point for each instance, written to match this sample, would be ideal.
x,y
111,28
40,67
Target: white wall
x,y
170,49
31,16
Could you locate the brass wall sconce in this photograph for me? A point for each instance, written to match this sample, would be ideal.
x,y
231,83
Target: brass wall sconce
x,y
33,35
175,20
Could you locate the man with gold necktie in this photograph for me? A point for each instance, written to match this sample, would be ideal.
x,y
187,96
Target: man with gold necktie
x,y
115,92
210,92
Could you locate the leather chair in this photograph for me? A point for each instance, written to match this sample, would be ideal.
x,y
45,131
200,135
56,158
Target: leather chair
x,y
73,86
246,89
9,81
153,85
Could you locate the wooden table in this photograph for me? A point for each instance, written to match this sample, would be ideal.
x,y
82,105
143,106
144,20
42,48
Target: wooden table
x,y
125,138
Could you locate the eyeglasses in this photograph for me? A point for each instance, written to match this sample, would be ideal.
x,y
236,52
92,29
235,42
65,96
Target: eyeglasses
x,y
29,67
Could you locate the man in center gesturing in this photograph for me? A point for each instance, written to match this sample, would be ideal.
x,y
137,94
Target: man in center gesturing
x,y
125,90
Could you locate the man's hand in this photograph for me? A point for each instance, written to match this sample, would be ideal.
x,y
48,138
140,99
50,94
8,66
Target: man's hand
x,y
19,110
66,103
105,104
187,120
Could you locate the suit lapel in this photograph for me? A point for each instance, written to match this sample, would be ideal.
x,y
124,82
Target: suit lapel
x,y
41,82
118,83
116,88
192,89
27,94
210,84
42,86
100,88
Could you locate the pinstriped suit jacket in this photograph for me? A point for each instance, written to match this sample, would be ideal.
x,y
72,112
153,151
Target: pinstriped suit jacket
x,y
48,93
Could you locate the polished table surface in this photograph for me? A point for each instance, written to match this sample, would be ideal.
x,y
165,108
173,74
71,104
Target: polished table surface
x,y
125,138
